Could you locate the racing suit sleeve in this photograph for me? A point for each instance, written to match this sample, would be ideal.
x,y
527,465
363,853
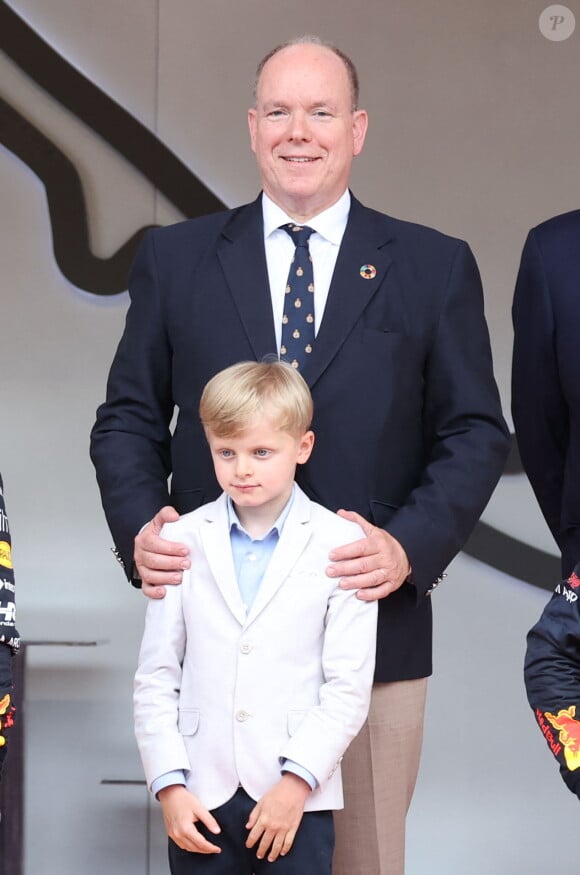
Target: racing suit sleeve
x,y
552,676
9,640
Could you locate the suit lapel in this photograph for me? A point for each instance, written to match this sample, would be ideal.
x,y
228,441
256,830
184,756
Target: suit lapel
x,y
293,541
364,243
215,537
242,256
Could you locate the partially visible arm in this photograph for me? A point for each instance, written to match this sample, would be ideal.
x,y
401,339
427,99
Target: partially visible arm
x,y
157,685
6,706
130,441
552,677
539,408
348,659
466,444
9,639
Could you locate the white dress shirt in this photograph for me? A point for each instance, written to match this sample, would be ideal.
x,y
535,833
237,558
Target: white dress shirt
x,y
329,227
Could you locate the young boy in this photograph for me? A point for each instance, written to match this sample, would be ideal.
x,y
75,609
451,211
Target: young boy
x,y
255,674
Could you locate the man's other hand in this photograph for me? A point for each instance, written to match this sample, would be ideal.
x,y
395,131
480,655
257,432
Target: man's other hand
x,y
158,561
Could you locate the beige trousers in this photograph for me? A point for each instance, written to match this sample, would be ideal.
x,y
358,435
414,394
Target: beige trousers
x,y
379,771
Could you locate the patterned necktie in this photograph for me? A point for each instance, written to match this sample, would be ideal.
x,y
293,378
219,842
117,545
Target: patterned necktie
x,y
298,318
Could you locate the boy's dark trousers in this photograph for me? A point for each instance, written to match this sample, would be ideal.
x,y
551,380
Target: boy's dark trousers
x,y
311,853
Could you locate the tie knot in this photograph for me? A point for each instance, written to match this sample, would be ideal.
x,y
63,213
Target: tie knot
x,y
299,233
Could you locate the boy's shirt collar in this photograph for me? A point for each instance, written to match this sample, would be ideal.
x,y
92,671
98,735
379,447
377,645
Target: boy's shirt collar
x,y
233,519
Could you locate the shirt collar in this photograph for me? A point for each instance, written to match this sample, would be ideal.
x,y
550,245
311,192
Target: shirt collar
x,y
233,519
330,223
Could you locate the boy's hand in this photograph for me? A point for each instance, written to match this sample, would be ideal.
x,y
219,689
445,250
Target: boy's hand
x,y
159,561
180,812
276,817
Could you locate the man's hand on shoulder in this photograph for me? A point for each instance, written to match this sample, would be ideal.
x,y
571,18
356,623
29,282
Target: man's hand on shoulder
x,y
158,561
377,565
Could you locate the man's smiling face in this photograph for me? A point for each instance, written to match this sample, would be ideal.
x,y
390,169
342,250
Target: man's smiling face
x,y
304,130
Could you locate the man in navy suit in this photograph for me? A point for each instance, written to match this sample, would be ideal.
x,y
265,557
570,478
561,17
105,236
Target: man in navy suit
x,y
410,436
545,376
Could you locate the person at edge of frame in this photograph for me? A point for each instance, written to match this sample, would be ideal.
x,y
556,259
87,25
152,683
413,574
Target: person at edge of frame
x,y
9,639
545,398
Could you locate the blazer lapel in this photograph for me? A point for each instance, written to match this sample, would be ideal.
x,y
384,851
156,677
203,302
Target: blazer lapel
x,y
364,244
243,259
215,538
293,541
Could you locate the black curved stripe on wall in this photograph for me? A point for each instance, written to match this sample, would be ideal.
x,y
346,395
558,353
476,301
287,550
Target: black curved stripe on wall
x,y
509,555
120,129
170,176
513,557
66,206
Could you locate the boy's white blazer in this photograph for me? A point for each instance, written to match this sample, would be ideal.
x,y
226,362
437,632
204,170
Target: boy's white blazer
x,y
225,696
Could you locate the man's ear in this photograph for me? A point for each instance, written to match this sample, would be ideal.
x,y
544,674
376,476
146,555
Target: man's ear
x,y
360,123
252,125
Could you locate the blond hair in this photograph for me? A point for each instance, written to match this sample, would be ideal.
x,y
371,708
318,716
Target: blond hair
x,y
237,394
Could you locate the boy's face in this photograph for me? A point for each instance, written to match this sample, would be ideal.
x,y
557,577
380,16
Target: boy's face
x,y
256,468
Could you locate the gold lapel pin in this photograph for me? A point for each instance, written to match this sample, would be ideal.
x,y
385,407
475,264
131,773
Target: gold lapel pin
x,y
368,271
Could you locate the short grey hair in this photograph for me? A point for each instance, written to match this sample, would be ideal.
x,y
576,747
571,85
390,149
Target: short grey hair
x,y
310,39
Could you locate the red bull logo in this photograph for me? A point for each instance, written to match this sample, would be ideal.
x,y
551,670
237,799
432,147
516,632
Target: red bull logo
x,y
7,713
569,734
5,554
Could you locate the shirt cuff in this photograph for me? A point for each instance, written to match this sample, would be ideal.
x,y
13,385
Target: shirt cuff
x,y
297,769
166,780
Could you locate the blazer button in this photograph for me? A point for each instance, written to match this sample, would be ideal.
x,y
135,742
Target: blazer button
x,y
241,716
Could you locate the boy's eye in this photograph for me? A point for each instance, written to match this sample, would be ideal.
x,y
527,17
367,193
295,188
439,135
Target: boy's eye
x,y
226,454
261,453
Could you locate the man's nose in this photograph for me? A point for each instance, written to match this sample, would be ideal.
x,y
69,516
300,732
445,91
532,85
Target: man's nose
x,y
299,126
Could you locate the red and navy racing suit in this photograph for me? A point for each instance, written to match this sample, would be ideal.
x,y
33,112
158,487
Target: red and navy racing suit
x,y
552,676
9,640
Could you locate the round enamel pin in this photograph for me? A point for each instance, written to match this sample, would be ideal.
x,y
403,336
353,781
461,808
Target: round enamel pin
x,y
368,271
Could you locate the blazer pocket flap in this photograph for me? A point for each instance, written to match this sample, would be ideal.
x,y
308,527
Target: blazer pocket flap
x,y
188,721
295,718
382,512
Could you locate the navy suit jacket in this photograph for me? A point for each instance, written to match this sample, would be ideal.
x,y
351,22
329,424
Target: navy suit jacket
x,y
546,375
408,424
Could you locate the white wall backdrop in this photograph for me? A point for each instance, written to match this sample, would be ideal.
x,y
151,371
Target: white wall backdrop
x,y
475,130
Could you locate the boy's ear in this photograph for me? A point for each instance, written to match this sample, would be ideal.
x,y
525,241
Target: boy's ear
x,y
305,447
